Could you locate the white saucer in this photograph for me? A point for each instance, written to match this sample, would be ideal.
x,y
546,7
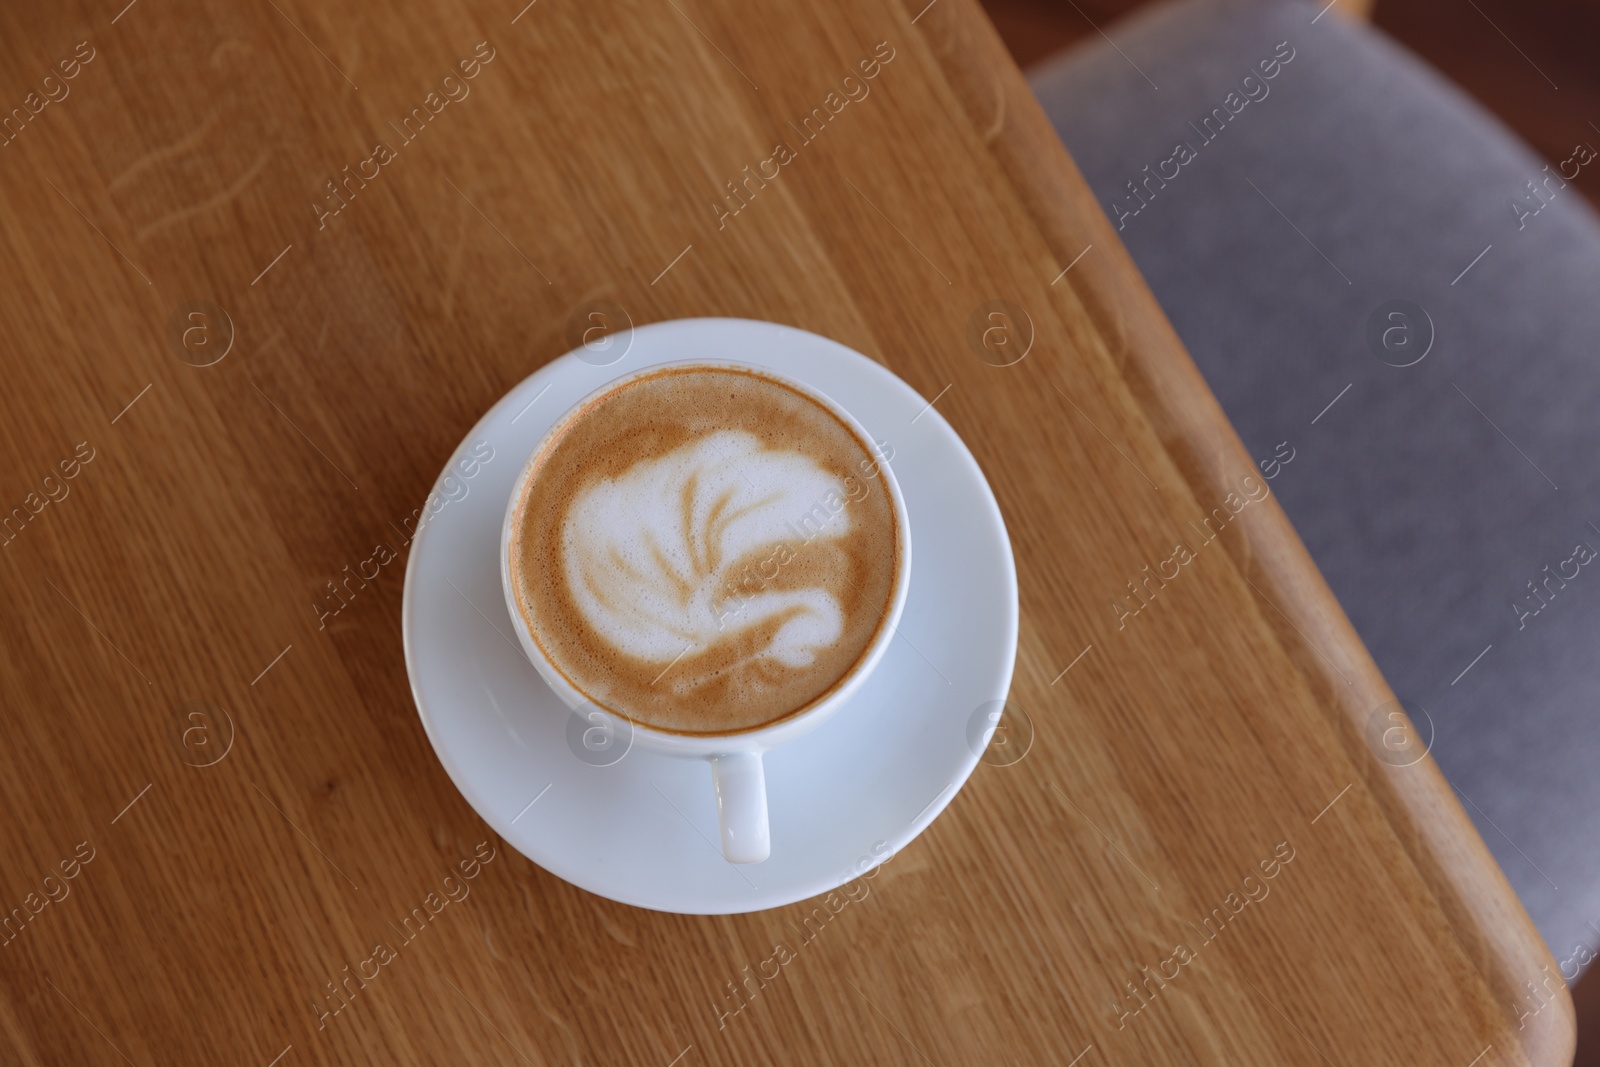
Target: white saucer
x,y
643,830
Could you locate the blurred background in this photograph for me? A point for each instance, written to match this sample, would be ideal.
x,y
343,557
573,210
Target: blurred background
x,y
1510,57
1458,37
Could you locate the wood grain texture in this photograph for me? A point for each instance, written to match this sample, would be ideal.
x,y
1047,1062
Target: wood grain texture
x,y
185,557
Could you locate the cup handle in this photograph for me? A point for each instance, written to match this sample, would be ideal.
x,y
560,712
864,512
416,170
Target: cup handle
x,y
741,784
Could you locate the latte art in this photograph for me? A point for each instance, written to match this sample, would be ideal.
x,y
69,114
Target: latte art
x,y
704,550
649,557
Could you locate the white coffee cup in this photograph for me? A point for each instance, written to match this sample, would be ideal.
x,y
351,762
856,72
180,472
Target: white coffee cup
x,y
737,773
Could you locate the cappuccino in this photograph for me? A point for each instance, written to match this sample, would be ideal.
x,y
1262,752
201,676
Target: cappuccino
x,y
704,549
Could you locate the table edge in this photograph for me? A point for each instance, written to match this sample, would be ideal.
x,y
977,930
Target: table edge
x,y
1470,889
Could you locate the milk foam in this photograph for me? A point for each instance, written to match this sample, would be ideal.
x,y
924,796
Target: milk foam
x,y
649,555
705,549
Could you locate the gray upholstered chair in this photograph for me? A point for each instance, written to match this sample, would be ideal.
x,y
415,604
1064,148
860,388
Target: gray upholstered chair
x,y
1390,293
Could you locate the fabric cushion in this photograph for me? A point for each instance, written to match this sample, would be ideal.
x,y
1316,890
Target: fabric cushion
x,y
1303,173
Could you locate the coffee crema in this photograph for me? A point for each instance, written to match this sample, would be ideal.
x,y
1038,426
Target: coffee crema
x,y
704,550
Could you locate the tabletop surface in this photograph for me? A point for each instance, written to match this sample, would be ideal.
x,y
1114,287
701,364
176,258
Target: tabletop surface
x,y
369,221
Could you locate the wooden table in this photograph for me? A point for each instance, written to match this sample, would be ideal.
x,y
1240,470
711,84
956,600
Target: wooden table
x,y
180,525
